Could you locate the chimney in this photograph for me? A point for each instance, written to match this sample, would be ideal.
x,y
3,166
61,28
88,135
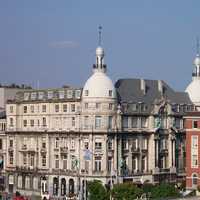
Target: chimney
x,y
160,87
143,86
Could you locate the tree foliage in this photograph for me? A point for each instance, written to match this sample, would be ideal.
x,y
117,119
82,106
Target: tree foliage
x,y
125,191
164,191
97,191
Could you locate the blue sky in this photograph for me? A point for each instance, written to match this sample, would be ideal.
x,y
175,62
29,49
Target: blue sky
x,y
54,41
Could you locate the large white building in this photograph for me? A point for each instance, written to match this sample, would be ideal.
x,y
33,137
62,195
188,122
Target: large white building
x,y
57,139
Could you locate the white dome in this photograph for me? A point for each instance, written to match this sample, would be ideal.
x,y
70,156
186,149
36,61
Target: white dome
x,y
99,85
193,90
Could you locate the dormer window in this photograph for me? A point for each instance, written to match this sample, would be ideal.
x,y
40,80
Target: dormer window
x,y
86,92
110,93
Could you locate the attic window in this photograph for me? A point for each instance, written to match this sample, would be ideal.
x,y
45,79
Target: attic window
x,y
110,93
86,92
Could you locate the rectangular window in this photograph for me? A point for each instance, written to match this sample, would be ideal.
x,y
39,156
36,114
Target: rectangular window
x,y
110,118
98,105
97,122
25,109
97,164
32,122
86,92
195,124
64,107
109,164
44,160
134,163
24,159
64,162
124,144
1,144
25,122
144,143
73,122
44,108
86,122
11,109
56,143
86,105
69,94
143,122
125,122
32,108
72,144
33,95
32,161
56,161
98,145
110,93
11,122
73,108
194,142
61,94
11,143
40,95
110,144
11,158
44,121
110,106
78,94
56,108
50,94
135,144
134,122
194,161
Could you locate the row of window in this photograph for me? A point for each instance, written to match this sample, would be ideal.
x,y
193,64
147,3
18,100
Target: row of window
x,y
110,93
98,106
61,94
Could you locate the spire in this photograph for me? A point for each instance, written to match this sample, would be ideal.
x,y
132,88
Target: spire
x,y
99,66
197,47
100,33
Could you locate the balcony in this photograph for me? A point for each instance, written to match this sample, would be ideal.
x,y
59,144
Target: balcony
x,y
43,150
164,151
135,150
26,169
63,150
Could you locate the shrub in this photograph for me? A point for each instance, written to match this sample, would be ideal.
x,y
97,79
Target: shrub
x,y
126,191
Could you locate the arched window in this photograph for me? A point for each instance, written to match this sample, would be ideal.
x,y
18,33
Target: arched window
x,y
63,186
35,183
71,186
194,179
19,181
27,182
55,186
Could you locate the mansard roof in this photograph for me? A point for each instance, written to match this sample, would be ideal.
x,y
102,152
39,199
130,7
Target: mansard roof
x,y
130,90
48,95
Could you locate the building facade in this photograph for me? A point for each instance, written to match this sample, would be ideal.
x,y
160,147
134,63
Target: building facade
x,y
58,139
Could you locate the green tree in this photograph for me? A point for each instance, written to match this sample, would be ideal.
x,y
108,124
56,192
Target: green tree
x,y
125,191
97,191
164,191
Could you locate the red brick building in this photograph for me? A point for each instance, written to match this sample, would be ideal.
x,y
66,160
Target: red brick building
x,y
192,126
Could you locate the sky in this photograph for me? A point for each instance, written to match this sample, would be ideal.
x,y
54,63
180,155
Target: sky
x,y
53,42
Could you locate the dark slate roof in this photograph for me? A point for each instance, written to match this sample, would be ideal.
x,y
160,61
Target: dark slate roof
x,y
129,90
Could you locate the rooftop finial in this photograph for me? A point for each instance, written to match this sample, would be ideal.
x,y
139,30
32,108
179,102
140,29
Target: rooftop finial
x,y
100,28
197,46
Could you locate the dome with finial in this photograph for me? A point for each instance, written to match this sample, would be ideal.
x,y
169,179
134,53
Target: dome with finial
x,y
99,85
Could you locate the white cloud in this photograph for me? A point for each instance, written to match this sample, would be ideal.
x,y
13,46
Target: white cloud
x,y
64,44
